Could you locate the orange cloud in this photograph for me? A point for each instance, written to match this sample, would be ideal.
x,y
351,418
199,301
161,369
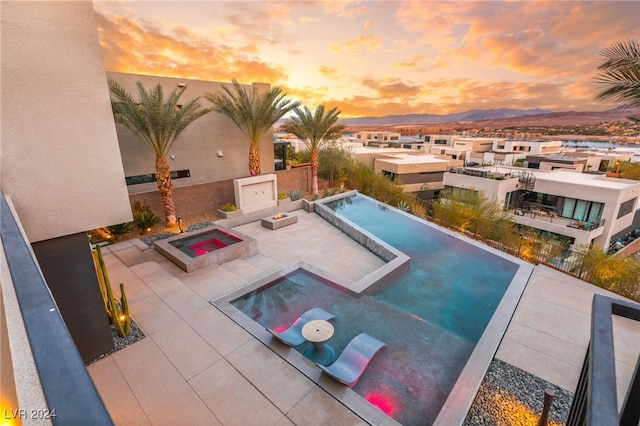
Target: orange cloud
x,y
357,45
143,48
393,89
414,62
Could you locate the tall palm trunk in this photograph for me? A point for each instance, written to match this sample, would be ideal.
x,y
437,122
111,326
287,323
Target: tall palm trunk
x,y
254,159
165,188
314,170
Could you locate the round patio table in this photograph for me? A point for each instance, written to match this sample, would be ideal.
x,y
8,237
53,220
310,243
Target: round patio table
x,y
318,332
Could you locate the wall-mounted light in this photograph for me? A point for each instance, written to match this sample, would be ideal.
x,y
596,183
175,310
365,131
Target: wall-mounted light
x,y
220,154
173,157
181,85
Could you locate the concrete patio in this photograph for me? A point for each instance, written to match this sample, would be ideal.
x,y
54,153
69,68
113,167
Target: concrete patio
x,y
196,366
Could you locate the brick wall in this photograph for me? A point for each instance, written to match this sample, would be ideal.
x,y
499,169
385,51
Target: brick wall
x,y
208,197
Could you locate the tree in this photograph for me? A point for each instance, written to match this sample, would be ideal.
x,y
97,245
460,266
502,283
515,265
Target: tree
x,y
314,129
620,74
157,122
254,113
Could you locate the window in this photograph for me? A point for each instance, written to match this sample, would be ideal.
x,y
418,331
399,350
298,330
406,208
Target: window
x,y
137,180
626,208
389,175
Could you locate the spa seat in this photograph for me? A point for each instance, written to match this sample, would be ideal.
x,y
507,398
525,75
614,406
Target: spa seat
x,y
292,336
354,359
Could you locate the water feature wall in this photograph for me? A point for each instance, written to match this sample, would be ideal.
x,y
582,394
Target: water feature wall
x,y
256,192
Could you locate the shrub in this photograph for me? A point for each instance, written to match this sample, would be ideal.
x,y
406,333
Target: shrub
x,y
282,195
228,207
145,220
119,230
296,195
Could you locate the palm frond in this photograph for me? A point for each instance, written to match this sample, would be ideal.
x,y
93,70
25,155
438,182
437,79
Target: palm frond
x,y
157,121
620,73
252,112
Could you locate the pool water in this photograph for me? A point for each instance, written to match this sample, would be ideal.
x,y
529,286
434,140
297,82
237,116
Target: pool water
x,y
430,315
205,243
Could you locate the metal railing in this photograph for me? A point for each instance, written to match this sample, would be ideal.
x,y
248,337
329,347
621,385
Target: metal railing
x,y
595,402
70,394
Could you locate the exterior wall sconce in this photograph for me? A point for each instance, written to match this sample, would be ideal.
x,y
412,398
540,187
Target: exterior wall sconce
x,y
220,154
181,85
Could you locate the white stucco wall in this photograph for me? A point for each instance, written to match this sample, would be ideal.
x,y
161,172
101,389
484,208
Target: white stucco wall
x,y
59,152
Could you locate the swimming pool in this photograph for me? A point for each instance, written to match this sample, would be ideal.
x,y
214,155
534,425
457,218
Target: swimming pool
x,y
431,314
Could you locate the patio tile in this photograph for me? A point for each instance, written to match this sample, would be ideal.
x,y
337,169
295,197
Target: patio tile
x,y
539,364
319,408
186,350
116,394
210,283
132,256
243,270
151,273
218,330
547,344
280,382
233,399
162,392
151,313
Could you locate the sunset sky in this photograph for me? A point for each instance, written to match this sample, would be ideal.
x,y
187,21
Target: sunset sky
x,y
375,58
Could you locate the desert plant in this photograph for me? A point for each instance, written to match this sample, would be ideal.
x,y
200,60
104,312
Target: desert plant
x,y
283,196
296,195
403,205
145,220
228,207
119,317
119,230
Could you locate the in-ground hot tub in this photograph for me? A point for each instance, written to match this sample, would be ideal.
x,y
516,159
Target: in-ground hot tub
x,y
212,245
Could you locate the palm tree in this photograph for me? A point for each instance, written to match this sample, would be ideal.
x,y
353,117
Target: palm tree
x,y
156,122
620,74
254,113
314,128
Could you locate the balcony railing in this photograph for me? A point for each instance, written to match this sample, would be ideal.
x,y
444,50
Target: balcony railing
x,y
595,401
70,395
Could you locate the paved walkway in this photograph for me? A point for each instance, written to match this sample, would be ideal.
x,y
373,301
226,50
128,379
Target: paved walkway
x,y
197,366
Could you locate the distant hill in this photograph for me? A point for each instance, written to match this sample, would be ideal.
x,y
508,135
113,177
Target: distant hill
x,y
473,115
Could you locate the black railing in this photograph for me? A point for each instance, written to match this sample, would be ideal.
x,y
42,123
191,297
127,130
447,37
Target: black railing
x,y
71,396
595,401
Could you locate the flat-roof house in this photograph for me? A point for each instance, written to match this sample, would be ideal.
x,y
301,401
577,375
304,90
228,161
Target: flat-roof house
x,y
414,170
585,208
457,147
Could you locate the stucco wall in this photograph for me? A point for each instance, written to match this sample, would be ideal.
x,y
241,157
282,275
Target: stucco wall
x,y
196,149
60,159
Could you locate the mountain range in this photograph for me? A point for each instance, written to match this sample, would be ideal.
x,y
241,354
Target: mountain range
x,y
502,116
473,115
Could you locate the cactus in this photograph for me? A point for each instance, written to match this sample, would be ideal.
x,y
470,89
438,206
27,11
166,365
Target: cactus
x,y
120,318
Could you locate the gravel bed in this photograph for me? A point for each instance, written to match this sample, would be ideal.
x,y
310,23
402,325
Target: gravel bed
x,y
122,342
510,396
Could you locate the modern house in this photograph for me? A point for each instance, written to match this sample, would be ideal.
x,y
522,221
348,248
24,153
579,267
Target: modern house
x,y
415,171
61,175
583,208
457,147
507,152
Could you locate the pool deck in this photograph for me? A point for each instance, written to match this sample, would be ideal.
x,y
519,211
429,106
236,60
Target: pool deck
x,y
197,366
